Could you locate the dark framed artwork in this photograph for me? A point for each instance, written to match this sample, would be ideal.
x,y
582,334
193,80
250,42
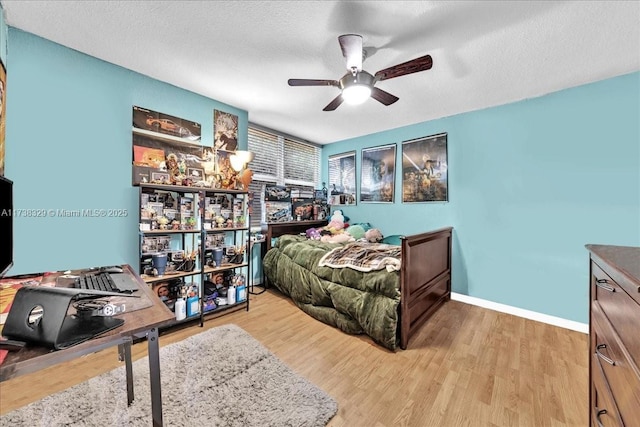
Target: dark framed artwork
x,y
377,174
225,135
425,169
342,179
142,174
3,87
153,122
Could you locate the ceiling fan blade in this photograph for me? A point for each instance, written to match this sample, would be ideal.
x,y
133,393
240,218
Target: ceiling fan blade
x,y
334,104
384,97
312,82
351,45
419,64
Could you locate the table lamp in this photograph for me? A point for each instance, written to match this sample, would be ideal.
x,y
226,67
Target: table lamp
x,y
239,161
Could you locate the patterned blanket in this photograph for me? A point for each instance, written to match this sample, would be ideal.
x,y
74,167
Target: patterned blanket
x,y
363,256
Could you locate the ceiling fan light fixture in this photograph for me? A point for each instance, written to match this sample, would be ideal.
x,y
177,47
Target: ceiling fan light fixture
x,y
356,94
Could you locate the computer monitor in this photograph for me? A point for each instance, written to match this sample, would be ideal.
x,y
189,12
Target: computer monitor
x,y
6,225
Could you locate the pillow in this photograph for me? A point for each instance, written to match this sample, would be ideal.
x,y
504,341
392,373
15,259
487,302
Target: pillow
x,y
394,239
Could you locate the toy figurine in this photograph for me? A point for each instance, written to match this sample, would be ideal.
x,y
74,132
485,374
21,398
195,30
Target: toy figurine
x,y
162,222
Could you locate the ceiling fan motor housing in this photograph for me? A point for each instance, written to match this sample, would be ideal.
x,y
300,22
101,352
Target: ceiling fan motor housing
x,y
360,78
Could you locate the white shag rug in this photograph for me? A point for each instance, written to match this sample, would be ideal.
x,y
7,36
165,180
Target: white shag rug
x,y
220,377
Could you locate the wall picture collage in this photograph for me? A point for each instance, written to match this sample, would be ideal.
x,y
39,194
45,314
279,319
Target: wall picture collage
x,y
424,167
168,150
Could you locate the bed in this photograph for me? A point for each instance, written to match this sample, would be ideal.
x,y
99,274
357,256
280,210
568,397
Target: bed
x,y
389,306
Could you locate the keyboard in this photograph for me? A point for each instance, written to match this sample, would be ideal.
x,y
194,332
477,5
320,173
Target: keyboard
x,y
97,282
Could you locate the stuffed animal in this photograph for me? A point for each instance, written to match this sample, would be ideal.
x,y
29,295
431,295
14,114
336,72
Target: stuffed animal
x,y
356,231
336,224
313,234
373,235
337,238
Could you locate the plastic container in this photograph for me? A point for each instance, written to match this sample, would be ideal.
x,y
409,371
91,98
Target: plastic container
x,y
193,306
159,262
181,309
231,295
241,293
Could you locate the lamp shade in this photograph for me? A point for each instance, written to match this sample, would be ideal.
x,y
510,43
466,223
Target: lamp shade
x,y
356,94
245,156
237,162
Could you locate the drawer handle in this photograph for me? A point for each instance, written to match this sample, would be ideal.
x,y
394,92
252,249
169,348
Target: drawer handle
x,y
604,284
602,356
600,412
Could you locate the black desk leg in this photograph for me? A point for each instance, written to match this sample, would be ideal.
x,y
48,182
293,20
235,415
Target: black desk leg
x,y
154,376
124,353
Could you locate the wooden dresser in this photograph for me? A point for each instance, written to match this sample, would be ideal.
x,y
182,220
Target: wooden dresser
x,y
614,336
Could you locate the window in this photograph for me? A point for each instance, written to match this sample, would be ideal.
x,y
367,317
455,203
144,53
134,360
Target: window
x,y
280,160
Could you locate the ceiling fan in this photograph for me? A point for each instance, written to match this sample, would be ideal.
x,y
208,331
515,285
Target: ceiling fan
x,y
358,85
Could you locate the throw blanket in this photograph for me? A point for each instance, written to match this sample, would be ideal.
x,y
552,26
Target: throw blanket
x,y
363,256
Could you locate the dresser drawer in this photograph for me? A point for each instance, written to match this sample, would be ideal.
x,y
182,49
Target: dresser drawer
x,y
622,311
620,373
603,407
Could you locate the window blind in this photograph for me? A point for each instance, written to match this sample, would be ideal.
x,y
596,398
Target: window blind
x,y
280,160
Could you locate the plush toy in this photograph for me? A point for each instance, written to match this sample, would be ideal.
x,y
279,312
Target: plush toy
x,y
373,235
337,238
313,234
336,224
356,231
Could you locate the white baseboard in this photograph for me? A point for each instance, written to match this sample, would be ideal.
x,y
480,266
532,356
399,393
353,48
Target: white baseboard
x,y
527,314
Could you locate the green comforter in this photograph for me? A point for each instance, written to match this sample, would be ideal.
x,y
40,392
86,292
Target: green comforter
x,y
354,301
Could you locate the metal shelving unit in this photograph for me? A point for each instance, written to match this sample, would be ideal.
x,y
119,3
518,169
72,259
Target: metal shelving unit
x,y
237,235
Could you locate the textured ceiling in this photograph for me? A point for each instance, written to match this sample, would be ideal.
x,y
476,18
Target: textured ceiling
x,y
485,53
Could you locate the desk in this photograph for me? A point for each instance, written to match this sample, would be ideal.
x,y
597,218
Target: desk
x,y
144,321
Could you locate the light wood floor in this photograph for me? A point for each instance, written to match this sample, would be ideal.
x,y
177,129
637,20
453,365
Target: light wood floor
x,y
467,366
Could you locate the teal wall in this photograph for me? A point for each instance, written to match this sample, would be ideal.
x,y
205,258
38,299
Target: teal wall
x,y
530,183
68,140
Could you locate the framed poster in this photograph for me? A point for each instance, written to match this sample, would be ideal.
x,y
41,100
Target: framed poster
x,y
152,122
3,87
342,179
377,174
425,169
225,135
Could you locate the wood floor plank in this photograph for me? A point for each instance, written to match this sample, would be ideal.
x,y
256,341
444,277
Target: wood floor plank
x,y
467,366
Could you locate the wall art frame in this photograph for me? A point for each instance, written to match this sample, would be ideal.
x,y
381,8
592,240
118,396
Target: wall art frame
x,y
377,174
425,169
342,179
225,135
3,103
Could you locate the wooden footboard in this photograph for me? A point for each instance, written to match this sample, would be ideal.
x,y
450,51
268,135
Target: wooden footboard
x,y
425,278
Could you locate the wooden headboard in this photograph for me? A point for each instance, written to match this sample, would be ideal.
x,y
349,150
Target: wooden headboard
x,y
276,229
